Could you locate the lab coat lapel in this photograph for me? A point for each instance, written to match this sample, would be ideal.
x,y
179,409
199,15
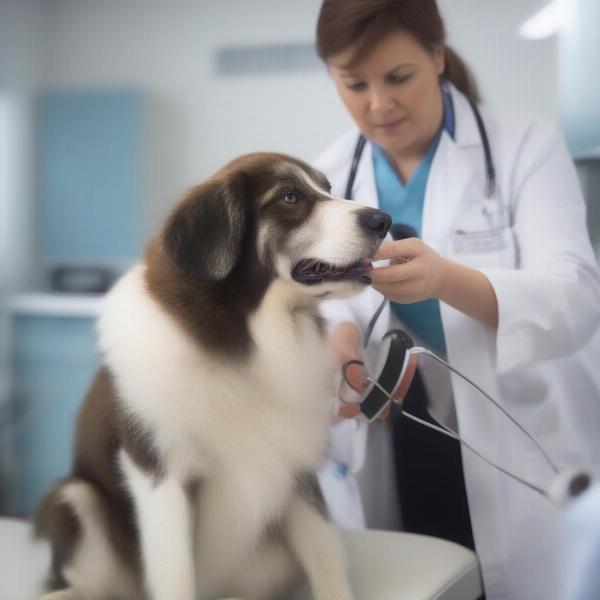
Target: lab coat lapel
x,y
452,176
449,181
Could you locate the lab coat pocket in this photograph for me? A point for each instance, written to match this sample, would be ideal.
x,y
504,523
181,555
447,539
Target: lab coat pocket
x,y
347,444
338,476
486,248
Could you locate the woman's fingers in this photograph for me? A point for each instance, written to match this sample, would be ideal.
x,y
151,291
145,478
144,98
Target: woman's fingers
x,y
395,273
407,295
354,374
408,248
348,411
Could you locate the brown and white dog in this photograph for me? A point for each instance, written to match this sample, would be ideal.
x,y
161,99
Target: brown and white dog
x,y
197,445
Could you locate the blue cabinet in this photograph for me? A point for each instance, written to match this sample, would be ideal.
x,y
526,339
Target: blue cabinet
x,y
54,360
90,146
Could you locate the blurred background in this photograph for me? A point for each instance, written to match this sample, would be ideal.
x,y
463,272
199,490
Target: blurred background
x,y
110,109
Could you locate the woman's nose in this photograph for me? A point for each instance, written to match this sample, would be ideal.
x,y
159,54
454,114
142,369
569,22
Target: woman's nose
x,y
381,100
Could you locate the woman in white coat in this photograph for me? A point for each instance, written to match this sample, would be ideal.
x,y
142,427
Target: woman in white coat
x,y
511,275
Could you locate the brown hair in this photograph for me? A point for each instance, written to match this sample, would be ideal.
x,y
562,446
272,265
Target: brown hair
x,y
362,23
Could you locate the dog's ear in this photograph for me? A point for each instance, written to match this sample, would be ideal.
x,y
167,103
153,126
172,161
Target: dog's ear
x,y
204,234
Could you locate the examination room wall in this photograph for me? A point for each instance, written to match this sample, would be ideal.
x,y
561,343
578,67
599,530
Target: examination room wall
x,y
199,118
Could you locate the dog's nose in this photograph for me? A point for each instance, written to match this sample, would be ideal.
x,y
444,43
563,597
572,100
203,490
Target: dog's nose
x,y
375,220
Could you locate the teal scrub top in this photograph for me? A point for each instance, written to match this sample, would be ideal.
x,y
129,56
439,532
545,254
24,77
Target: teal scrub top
x,y
404,202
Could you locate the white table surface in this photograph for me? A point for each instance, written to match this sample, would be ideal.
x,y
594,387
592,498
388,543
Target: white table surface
x,y
382,565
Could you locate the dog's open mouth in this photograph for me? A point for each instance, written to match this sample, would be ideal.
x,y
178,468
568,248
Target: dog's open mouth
x,y
311,271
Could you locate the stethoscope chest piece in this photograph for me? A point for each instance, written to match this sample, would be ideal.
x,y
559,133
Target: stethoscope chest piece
x,y
568,484
389,379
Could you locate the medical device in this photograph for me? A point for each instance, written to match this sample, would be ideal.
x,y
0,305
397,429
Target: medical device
x,y
389,379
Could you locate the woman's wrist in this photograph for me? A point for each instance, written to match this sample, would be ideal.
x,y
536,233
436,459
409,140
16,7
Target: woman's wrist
x,y
444,280
469,291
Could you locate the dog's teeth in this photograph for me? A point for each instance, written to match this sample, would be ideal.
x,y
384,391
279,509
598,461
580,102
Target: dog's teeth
x,y
317,271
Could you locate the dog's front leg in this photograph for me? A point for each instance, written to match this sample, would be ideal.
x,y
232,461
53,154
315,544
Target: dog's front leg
x,y
165,525
316,545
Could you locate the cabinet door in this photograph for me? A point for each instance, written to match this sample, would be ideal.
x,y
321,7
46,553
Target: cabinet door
x,y
90,146
54,361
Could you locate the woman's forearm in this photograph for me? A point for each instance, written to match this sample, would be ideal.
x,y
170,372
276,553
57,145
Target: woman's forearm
x,y
469,291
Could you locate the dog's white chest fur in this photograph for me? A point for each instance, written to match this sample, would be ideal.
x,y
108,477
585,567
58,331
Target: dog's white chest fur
x,y
244,431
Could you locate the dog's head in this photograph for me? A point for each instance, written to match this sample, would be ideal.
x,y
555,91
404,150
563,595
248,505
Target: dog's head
x,y
265,216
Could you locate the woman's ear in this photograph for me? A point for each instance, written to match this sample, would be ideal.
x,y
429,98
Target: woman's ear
x,y
205,232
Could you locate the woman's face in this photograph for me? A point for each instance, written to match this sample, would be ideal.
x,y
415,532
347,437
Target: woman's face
x,y
393,94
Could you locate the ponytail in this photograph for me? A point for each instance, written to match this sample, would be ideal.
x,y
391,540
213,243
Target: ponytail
x,y
458,73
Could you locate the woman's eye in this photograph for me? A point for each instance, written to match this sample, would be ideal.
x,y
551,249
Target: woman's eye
x,y
290,198
356,87
397,79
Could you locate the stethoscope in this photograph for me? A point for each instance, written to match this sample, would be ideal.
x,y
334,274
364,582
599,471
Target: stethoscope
x,y
389,379
395,365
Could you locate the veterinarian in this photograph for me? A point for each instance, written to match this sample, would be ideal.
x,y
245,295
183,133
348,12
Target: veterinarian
x,y
501,280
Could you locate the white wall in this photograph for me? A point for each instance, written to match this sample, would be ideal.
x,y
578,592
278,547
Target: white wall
x,y
200,120
20,49
515,75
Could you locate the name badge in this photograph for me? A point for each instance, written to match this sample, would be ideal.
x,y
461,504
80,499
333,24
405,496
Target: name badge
x,y
479,242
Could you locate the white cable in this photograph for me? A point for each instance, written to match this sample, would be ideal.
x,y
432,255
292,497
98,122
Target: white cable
x,y
448,432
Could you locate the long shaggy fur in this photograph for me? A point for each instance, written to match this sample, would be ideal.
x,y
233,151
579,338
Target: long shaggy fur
x,y
197,445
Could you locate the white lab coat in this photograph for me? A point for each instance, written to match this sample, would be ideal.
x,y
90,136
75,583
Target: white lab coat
x,y
543,364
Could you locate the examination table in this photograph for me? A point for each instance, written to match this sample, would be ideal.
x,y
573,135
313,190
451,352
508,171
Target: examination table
x,y
383,566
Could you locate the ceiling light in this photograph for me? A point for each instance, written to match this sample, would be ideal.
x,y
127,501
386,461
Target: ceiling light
x,y
545,22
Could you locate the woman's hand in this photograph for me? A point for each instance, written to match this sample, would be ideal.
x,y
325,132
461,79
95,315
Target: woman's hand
x,y
345,342
345,339
417,272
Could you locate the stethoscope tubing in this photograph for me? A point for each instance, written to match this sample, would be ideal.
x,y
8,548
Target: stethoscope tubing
x,y
490,170
449,432
427,352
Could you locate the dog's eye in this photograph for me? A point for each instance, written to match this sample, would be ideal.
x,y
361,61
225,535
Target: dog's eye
x,y
290,197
